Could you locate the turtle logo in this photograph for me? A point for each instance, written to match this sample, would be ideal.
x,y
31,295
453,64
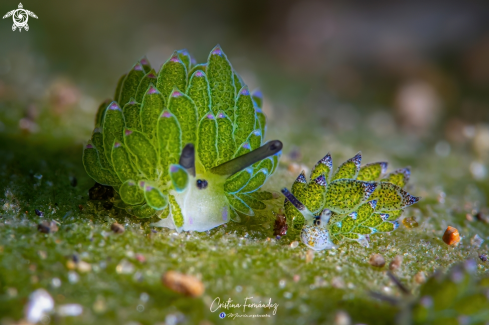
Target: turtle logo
x,y
20,16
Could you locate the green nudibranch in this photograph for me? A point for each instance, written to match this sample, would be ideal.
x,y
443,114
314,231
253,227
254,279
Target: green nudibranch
x,y
350,204
185,143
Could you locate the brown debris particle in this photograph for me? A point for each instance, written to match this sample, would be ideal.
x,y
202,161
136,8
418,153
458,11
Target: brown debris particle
x,y
47,227
420,277
117,228
377,260
396,263
451,236
182,283
280,228
410,222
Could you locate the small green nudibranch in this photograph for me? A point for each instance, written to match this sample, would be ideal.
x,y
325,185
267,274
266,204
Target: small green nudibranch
x,y
185,143
352,203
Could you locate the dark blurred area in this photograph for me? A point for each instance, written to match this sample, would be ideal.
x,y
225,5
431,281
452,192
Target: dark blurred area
x,y
417,68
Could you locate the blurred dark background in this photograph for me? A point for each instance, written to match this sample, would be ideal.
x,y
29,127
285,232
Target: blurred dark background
x,y
412,68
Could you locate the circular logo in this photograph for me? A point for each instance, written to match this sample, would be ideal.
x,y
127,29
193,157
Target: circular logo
x,y
20,17
222,315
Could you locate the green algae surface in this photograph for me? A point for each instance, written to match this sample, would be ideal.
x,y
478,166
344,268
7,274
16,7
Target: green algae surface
x,y
117,277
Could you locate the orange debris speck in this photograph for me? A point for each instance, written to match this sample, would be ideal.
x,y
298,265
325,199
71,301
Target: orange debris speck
x,y
451,236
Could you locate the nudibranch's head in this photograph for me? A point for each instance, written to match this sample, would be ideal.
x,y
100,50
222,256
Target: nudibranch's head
x,y
314,234
201,193
185,144
350,204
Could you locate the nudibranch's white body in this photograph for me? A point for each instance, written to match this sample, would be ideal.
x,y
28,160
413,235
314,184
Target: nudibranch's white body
x,y
201,209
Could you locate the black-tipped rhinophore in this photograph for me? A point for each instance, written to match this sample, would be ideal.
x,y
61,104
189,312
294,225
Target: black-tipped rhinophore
x,y
235,165
295,202
187,159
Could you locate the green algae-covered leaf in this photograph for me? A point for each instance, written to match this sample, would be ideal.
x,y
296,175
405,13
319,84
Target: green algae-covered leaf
x,y
237,181
266,163
387,226
146,81
176,212
179,177
299,186
145,63
256,181
131,193
262,120
131,83
239,205
94,169
225,140
244,118
275,159
257,97
374,220
221,82
198,67
394,215
169,137
172,74
151,108
391,197
348,223
344,195
323,167
261,195
144,151
349,169
98,142
350,236
238,82
113,127
242,149
363,230
154,196
142,211
118,89
184,110
185,58
398,177
252,202
207,141
255,139
100,113
198,90
372,172
121,161
365,211
132,115
315,194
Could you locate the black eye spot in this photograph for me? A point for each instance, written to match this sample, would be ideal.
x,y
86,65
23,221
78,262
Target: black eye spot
x,y
317,221
202,184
